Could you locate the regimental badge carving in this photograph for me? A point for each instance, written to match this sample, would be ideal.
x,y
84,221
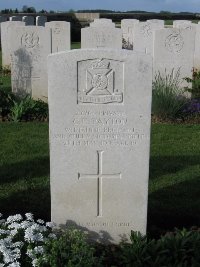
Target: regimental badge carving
x,y
146,30
174,42
30,40
99,81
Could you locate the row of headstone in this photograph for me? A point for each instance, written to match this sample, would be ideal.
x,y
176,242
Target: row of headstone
x,y
172,49
29,20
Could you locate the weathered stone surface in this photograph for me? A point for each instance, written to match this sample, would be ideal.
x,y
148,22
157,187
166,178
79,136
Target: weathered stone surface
x,y
100,113
173,50
30,47
6,31
60,35
127,32
41,20
29,20
101,37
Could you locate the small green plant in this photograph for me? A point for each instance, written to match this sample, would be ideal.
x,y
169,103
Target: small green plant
x,y
177,249
6,102
168,98
195,82
28,109
70,249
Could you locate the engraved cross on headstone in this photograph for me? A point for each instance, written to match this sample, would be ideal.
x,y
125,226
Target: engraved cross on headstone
x,y
99,176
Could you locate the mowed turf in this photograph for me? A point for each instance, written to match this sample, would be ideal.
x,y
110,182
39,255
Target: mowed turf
x,y
174,187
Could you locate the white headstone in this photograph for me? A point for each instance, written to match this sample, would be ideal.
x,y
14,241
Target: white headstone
x,y
173,50
6,31
29,20
2,19
97,37
60,34
100,114
41,20
184,24
30,45
15,18
197,48
102,23
143,36
157,21
127,32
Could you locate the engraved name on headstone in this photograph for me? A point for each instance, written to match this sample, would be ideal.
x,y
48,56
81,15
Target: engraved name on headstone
x,y
101,37
100,113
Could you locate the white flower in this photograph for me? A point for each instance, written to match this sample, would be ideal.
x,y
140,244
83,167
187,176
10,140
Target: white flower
x,y
14,225
29,216
30,253
40,221
14,218
53,236
50,224
4,232
13,232
26,224
34,262
39,250
14,264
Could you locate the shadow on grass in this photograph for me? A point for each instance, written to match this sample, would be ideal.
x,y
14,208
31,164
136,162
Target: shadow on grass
x,y
36,201
162,165
25,188
174,206
24,170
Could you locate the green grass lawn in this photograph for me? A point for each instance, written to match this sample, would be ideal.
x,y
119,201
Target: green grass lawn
x,y
174,187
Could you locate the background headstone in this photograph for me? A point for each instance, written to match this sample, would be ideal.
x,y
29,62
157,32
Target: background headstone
x,y
197,47
157,21
41,20
102,23
127,32
101,37
30,45
29,20
6,31
184,24
173,50
60,34
100,113
143,36
15,18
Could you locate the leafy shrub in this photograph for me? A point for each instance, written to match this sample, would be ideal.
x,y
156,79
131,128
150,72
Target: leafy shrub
x,y
168,101
6,102
69,250
178,249
195,82
28,109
